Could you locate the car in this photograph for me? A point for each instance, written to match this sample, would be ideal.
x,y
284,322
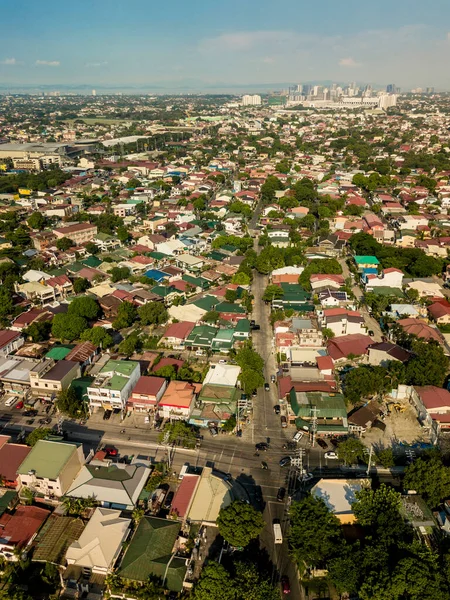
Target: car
x,y
146,419
255,327
213,431
322,443
334,442
331,455
266,386
273,378
285,585
285,461
252,322
168,500
30,413
254,394
110,451
107,415
277,409
371,332
30,421
283,421
44,421
19,405
222,361
281,494
298,436
262,446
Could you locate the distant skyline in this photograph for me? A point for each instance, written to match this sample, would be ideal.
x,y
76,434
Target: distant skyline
x,y
201,45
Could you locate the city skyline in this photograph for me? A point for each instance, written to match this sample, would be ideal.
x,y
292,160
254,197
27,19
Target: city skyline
x,y
193,46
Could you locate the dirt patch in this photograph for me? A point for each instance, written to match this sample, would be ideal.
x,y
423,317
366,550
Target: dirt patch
x,y
401,427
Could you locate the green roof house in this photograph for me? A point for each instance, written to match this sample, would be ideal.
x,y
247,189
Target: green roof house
x,y
201,337
152,551
329,409
113,384
51,467
366,262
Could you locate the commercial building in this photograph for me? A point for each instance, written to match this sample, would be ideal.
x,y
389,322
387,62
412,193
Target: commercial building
x,y
79,233
48,378
251,100
113,385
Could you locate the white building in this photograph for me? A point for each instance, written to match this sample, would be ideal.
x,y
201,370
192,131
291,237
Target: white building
x,y
251,100
113,385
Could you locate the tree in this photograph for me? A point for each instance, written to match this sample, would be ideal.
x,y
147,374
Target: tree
x,y
68,327
41,433
126,315
231,295
212,316
85,307
364,381
215,583
428,366
36,221
39,331
386,458
241,278
98,336
272,292
123,234
6,303
328,333
130,344
153,313
378,511
239,523
169,372
315,533
179,432
351,451
119,273
252,582
64,244
429,477
80,285
92,248
342,572
69,403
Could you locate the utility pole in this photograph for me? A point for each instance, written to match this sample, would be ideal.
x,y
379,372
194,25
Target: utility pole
x,y
370,460
314,412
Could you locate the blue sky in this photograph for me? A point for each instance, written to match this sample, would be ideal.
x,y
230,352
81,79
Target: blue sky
x,y
205,42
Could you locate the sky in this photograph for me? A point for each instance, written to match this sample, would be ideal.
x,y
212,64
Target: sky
x,y
209,44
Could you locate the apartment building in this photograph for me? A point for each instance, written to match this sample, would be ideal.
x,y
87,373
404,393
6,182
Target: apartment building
x,y
79,233
48,377
113,385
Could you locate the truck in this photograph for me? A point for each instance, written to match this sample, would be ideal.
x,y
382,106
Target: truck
x,y
277,533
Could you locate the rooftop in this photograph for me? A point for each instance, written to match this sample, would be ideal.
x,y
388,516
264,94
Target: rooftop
x,y
47,459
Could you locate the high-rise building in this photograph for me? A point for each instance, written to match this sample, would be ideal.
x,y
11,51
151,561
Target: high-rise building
x,y
391,88
94,92
251,100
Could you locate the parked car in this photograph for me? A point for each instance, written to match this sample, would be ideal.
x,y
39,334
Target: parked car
x,y
283,421
322,443
19,405
30,413
266,387
107,415
44,421
281,494
222,361
285,585
285,461
277,409
168,500
331,455
213,431
298,436
273,378
262,446
334,442
255,327
110,451
371,332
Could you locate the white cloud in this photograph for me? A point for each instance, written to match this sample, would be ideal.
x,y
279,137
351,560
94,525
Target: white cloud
x,y
349,63
96,65
9,61
47,63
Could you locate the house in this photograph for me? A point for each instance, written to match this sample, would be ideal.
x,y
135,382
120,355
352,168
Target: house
x,y
384,352
201,337
420,329
178,400
432,405
322,282
152,551
51,467
11,457
366,262
176,334
83,353
113,485
327,409
99,546
48,377
349,346
17,530
54,537
10,341
339,495
440,312
39,292
391,278
146,394
342,321
218,398
426,288
113,384
78,234
363,418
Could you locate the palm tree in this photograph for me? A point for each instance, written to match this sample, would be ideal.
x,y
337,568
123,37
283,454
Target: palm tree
x,y
137,514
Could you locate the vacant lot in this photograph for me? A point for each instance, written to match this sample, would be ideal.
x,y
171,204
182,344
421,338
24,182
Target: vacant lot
x,y
401,427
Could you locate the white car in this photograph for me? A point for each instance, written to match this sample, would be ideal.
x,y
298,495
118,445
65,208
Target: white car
x,y
222,361
298,436
331,455
146,420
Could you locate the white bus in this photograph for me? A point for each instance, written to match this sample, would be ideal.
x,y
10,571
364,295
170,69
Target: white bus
x,y
277,534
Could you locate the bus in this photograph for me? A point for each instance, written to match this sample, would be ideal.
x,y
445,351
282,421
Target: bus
x,y
277,534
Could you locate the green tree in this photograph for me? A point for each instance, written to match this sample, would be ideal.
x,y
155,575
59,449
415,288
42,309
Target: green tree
x,y
272,292
231,295
239,523
123,234
342,572
130,344
386,458
36,221
169,372
6,303
315,533
68,327
241,278
119,273
328,333
92,248
378,511
98,336
64,244
428,366
212,316
351,451
215,583
179,432
80,285
39,331
429,477
363,382
85,307
69,403
153,313
126,315
41,433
